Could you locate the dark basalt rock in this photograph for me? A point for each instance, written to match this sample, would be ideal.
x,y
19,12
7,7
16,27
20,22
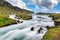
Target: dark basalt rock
x,y
18,21
47,27
21,21
39,30
32,29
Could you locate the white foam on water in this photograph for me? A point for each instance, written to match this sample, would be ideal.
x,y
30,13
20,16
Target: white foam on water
x,y
22,31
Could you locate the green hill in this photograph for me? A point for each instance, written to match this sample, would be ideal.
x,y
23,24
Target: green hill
x,y
6,9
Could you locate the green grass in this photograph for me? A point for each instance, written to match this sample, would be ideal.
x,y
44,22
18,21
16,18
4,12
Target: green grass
x,y
53,34
57,20
5,21
6,10
54,15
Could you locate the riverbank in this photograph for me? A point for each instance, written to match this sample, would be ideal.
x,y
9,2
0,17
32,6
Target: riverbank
x,y
54,33
5,21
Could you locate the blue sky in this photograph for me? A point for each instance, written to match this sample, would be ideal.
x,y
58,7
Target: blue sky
x,y
38,5
32,7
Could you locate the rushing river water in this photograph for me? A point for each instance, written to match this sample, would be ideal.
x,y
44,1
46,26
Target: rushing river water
x,y
22,31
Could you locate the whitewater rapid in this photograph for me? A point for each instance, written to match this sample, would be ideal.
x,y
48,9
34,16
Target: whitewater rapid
x,y
22,31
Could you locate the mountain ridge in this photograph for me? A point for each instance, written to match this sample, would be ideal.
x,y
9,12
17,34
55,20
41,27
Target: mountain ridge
x,y
7,4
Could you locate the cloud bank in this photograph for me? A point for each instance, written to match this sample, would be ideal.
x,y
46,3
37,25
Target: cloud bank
x,y
18,3
45,3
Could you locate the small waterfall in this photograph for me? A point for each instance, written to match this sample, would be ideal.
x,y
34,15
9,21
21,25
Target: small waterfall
x,y
33,29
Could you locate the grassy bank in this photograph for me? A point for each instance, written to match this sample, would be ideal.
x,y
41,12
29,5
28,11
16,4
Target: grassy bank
x,y
5,21
56,18
6,10
54,33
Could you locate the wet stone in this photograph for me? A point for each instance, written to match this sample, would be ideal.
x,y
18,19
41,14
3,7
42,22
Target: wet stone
x,y
39,30
32,29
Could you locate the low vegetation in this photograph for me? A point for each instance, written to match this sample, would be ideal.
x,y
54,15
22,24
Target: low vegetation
x,y
24,15
5,21
6,9
54,33
56,18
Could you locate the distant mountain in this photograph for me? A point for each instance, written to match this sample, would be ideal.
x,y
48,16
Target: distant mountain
x,y
41,13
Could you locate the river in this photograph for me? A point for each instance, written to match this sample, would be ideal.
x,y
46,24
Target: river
x,y
22,31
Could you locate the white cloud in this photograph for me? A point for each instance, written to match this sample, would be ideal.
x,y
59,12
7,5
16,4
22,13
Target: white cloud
x,y
57,12
18,3
44,9
36,8
59,0
45,3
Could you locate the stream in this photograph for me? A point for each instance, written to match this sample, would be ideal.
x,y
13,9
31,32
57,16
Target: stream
x,y
22,31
